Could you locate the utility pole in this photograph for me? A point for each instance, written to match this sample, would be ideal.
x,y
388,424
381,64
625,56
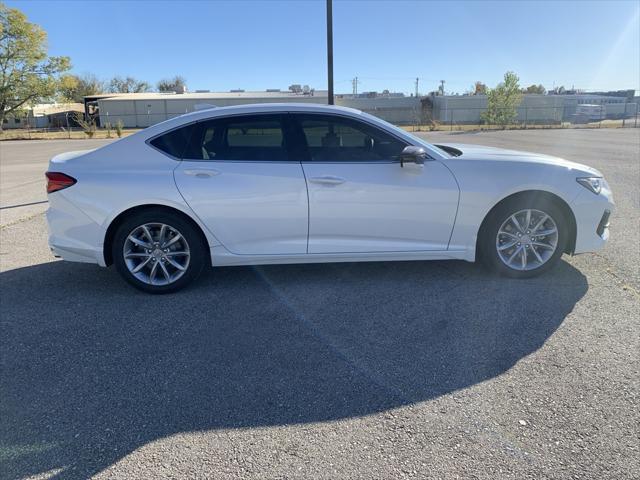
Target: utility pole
x,y
330,50
354,84
417,80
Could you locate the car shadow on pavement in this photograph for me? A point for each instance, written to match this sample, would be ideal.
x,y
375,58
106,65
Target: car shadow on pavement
x,y
92,369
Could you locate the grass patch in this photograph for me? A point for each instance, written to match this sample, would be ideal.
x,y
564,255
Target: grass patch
x,y
24,134
446,127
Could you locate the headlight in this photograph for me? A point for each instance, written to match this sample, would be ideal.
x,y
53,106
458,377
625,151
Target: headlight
x,y
592,183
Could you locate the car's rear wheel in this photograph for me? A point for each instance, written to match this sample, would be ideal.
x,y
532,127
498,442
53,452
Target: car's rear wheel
x,y
524,237
158,251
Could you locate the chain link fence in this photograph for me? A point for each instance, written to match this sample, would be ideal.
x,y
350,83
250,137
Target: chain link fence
x,y
624,115
621,115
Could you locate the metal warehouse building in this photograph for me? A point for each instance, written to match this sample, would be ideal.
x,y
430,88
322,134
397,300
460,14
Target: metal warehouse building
x,y
138,110
467,109
144,109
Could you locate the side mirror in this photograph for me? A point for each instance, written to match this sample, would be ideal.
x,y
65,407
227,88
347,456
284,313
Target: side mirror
x,y
413,154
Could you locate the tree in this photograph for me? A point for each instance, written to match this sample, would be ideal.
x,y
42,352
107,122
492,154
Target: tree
x,y
535,89
479,88
128,85
73,88
503,100
27,73
172,84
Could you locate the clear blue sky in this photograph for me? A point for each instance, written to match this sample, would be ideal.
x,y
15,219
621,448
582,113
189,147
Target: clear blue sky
x,y
258,45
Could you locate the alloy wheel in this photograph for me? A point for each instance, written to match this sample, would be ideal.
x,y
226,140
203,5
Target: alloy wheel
x,y
156,253
527,239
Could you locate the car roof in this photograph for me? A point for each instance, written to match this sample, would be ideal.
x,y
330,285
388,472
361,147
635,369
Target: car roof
x,y
271,107
213,112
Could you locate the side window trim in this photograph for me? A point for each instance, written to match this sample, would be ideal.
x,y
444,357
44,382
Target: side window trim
x,y
295,119
284,121
293,135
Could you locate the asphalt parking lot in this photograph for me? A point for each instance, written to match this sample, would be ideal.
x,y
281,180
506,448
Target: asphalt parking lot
x,y
370,370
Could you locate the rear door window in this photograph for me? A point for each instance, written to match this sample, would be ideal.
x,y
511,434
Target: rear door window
x,y
240,138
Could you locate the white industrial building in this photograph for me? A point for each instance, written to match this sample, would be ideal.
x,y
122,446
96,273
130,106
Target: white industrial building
x,y
138,110
144,109
534,108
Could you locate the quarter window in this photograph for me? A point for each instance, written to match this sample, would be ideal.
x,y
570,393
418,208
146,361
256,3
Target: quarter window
x,y
248,138
332,138
174,142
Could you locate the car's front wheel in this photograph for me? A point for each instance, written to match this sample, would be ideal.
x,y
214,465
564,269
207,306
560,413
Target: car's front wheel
x,y
158,251
524,237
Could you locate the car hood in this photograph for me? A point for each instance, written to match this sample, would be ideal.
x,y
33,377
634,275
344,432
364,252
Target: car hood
x,y
479,152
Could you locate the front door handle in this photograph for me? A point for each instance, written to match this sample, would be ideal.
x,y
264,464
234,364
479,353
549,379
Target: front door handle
x,y
202,172
327,180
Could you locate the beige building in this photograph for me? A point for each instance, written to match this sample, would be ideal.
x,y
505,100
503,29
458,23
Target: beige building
x,y
45,115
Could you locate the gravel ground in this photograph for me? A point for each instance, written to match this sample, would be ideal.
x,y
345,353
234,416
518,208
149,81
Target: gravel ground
x,y
371,370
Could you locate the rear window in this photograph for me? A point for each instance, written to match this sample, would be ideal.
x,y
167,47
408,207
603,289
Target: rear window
x,y
174,142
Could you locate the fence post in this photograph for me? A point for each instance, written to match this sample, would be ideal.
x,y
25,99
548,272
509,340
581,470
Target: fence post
x,y
624,116
601,110
451,121
526,115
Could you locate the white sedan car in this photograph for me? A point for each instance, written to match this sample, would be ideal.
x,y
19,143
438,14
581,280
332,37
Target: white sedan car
x,y
289,183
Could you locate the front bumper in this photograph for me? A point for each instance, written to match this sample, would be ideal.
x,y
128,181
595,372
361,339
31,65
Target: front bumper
x,y
592,214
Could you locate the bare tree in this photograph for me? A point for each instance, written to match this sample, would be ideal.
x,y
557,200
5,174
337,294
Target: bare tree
x,y
74,88
128,85
479,88
535,89
172,84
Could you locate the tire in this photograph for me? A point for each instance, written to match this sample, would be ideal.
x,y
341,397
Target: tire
x,y
539,247
174,259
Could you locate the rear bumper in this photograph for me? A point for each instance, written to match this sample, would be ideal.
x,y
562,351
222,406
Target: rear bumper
x,y
592,214
73,236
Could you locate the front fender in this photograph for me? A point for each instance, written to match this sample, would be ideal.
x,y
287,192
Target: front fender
x,y
484,184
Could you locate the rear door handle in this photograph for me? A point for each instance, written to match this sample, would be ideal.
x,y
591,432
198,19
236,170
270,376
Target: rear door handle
x,y
327,180
202,172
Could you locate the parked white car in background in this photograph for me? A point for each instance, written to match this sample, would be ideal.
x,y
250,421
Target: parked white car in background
x,y
287,183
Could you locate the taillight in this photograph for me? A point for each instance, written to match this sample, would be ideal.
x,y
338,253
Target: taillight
x,y
58,181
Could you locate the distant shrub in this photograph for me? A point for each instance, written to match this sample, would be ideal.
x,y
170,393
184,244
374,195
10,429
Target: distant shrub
x,y
88,126
108,127
119,127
